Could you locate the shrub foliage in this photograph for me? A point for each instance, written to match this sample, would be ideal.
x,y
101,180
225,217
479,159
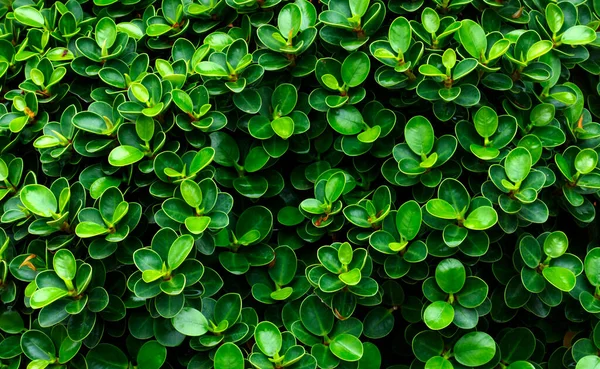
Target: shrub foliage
x,y
351,184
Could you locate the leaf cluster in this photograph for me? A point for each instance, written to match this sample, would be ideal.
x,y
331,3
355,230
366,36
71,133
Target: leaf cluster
x,y
269,184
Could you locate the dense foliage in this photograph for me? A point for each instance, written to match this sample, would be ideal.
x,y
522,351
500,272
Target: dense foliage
x,y
351,184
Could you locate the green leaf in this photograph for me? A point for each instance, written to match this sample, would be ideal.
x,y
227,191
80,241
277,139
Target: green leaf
x,y
147,259
152,275
211,69
202,159
228,308
37,346
554,17
400,34
290,216
356,67
358,8
475,349
538,49
438,315
316,316
229,356
408,219
11,322
473,39
140,92
351,277
378,323
473,293
556,244
578,35
124,155
91,122
289,20
450,275
106,33
370,135
144,127
518,164
191,193
482,218
586,161
283,127
284,99
268,338
152,355
183,101
37,76
90,229
106,356
441,209
64,264
438,362
39,200
449,58
257,158
588,362
3,170
486,121
345,253
357,215
329,257
255,218
347,347
248,101
179,251
517,344
559,277
47,295
419,135
592,266
542,114
430,20
530,251
29,16
190,322
346,120
335,187
68,349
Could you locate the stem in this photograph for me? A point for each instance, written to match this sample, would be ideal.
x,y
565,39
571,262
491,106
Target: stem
x,y
3,248
448,354
66,227
69,284
10,187
411,76
239,169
